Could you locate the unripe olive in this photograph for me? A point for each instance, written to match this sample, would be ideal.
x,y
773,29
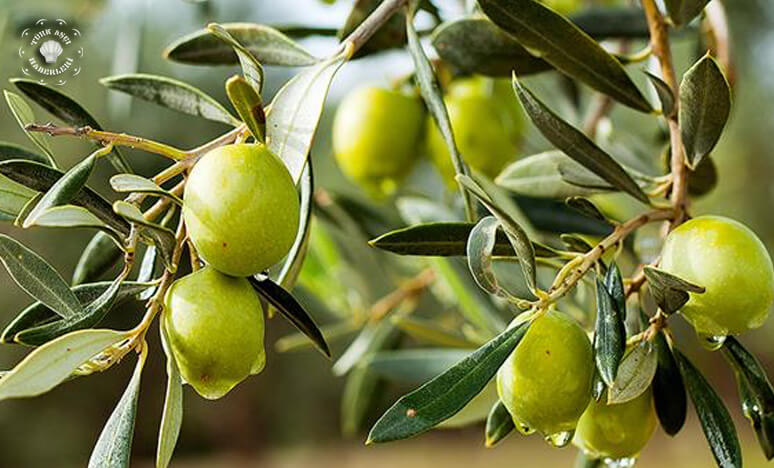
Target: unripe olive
x,y
488,126
732,264
241,209
215,327
376,135
617,431
546,382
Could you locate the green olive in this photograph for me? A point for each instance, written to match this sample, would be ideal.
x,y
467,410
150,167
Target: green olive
x,y
488,126
215,327
546,382
617,431
376,135
241,209
732,264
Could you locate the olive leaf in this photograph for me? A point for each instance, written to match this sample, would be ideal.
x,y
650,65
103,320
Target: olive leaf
x,y
703,178
576,144
609,334
705,104
170,93
578,176
22,112
39,314
39,279
665,94
251,67
267,44
358,398
68,111
295,259
755,392
499,424
10,150
428,331
445,395
296,110
13,198
445,239
163,238
291,309
668,389
538,175
558,41
576,243
41,178
147,269
248,104
683,11
414,365
100,254
114,445
714,418
634,375
137,184
516,235
49,365
481,243
71,216
587,207
669,291
172,415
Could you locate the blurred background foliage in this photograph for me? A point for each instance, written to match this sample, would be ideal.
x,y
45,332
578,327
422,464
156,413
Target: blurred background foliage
x,y
289,415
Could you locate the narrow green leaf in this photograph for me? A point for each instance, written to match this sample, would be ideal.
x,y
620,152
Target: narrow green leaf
x,y
13,198
715,421
558,41
668,389
499,424
248,105
705,103
41,178
295,259
684,11
575,144
295,112
251,67
576,243
172,415
634,374
267,44
414,366
10,150
429,331
147,270
361,390
665,94
22,112
516,235
538,176
609,335
39,279
173,94
71,216
703,178
475,411
114,446
291,309
100,254
48,366
669,291
481,243
137,184
445,395
587,207
68,111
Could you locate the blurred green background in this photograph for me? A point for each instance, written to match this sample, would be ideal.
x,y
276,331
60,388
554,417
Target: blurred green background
x,y
289,415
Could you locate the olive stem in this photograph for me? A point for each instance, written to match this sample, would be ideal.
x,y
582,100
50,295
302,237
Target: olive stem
x,y
410,289
371,24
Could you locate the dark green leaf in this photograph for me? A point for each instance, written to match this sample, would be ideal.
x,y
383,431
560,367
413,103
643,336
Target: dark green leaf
x,y
575,243
445,395
251,67
705,103
665,94
414,366
715,421
100,254
68,111
290,309
559,42
575,144
668,389
13,151
585,206
703,178
172,94
172,416
615,287
114,446
39,279
39,314
41,178
248,104
499,424
609,335
669,291
634,375
267,44
683,11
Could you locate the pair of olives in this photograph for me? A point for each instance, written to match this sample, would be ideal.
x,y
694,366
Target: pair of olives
x,y
546,382
241,211
378,133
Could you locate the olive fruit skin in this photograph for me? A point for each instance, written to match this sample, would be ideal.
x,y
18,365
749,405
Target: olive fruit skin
x,y
376,136
215,327
732,264
241,209
617,431
488,125
546,382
